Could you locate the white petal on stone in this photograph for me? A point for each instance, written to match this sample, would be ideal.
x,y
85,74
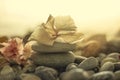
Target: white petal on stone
x,y
64,23
41,36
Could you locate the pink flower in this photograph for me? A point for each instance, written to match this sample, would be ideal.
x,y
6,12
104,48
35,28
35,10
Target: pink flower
x,y
15,50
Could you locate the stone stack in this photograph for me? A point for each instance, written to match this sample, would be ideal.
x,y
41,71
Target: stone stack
x,y
52,58
53,42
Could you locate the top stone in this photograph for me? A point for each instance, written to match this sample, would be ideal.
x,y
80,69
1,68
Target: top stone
x,y
58,31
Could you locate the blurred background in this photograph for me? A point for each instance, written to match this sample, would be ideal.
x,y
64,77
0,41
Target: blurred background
x,y
90,16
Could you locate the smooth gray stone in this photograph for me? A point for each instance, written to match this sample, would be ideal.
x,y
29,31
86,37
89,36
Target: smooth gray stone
x,y
108,66
29,77
101,56
90,73
75,74
71,66
57,47
79,59
105,75
30,68
115,56
46,73
53,59
108,59
117,75
89,63
7,73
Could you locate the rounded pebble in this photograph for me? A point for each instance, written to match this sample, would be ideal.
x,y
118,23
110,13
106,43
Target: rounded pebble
x,y
108,59
71,66
108,66
75,74
115,56
29,77
105,75
46,73
7,73
117,75
89,63
55,60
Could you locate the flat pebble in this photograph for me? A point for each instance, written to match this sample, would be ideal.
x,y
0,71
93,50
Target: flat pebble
x,y
75,74
53,59
108,66
115,56
71,66
56,47
101,56
108,59
29,77
79,59
91,72
105,75
117,75
89,63
7,73
30,68
46,73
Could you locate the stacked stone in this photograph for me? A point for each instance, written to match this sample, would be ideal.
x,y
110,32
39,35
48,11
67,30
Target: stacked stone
x,y
53,42
55,56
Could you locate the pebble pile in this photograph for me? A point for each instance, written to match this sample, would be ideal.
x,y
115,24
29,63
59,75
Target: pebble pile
x,y
96,59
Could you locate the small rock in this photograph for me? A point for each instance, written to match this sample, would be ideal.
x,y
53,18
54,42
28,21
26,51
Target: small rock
x,y
71,66
53,59
115,56
29,77
108,59
101,56
105,75
30,68
117,75
89,63
46,73
75,74
108,66
79,59
57,47
7,73
117,66
91,72
17,69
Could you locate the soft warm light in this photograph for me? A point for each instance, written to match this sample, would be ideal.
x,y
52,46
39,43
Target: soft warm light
x,y
89,15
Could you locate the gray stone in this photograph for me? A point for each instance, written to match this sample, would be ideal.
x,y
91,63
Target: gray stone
x,y
108,66
115,56
30,68
108,59
7,73
75,74
89,63
29,77
71,66
101,56
53,59
79,59
57,47
117,75
46,73
90,72
105,75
